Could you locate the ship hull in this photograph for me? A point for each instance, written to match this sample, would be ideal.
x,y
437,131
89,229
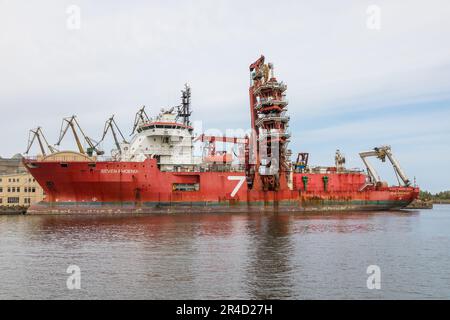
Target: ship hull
x,y
176,207
131,187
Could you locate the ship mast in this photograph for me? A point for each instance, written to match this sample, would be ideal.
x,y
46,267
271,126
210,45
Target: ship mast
x,y
184,110
269,122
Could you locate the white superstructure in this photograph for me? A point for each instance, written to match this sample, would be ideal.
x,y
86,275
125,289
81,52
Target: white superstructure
x,y
163,138
168,137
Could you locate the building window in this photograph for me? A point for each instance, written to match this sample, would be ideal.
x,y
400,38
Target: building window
x,y
13,189
1,200
13,200
1,189
33,189
18,189
9,189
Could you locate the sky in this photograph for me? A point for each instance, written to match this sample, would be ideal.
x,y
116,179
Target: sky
x,y
353,83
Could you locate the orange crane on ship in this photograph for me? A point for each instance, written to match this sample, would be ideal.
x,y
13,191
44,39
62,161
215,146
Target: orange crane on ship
x,y
222,156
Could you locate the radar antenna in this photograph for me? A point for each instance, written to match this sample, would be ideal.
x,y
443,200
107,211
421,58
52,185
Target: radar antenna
x,y
184,110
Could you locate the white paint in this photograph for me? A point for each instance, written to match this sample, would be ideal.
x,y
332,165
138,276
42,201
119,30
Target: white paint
x,y
74,280
172,144
73,21
374,279
241,180
373,21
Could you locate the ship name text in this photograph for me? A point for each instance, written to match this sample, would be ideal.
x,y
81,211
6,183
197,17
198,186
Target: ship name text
x,y
125,171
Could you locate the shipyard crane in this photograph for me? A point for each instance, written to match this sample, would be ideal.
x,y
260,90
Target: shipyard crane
x,y
112,125
73,124
39,135
141,117
381,153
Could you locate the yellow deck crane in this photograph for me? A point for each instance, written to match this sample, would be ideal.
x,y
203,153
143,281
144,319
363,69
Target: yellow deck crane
x,y
381,153
73,124
39,135
112,125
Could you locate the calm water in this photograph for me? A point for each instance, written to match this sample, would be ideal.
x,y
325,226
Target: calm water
x,y
227,256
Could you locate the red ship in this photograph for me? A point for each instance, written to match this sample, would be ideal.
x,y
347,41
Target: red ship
x,y
157,170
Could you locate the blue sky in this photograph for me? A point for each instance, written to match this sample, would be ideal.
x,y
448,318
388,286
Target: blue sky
x,y
349,87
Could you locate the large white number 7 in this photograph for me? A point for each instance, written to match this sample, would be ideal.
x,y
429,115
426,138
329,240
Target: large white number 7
x,y
239,185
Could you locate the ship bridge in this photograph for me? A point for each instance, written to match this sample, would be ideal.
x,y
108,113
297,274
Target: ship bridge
x,y
166,120
168,137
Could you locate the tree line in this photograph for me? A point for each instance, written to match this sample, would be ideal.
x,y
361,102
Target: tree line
x,y
443,195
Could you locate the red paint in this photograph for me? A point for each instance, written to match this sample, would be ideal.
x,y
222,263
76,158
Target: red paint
x,y
120,182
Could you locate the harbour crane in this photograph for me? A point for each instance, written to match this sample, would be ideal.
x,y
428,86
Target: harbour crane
x,y
381,153
141,117
73,124
39,135
112,125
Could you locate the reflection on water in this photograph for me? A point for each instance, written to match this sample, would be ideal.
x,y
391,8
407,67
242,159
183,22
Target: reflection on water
x,y
229,256
270,270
